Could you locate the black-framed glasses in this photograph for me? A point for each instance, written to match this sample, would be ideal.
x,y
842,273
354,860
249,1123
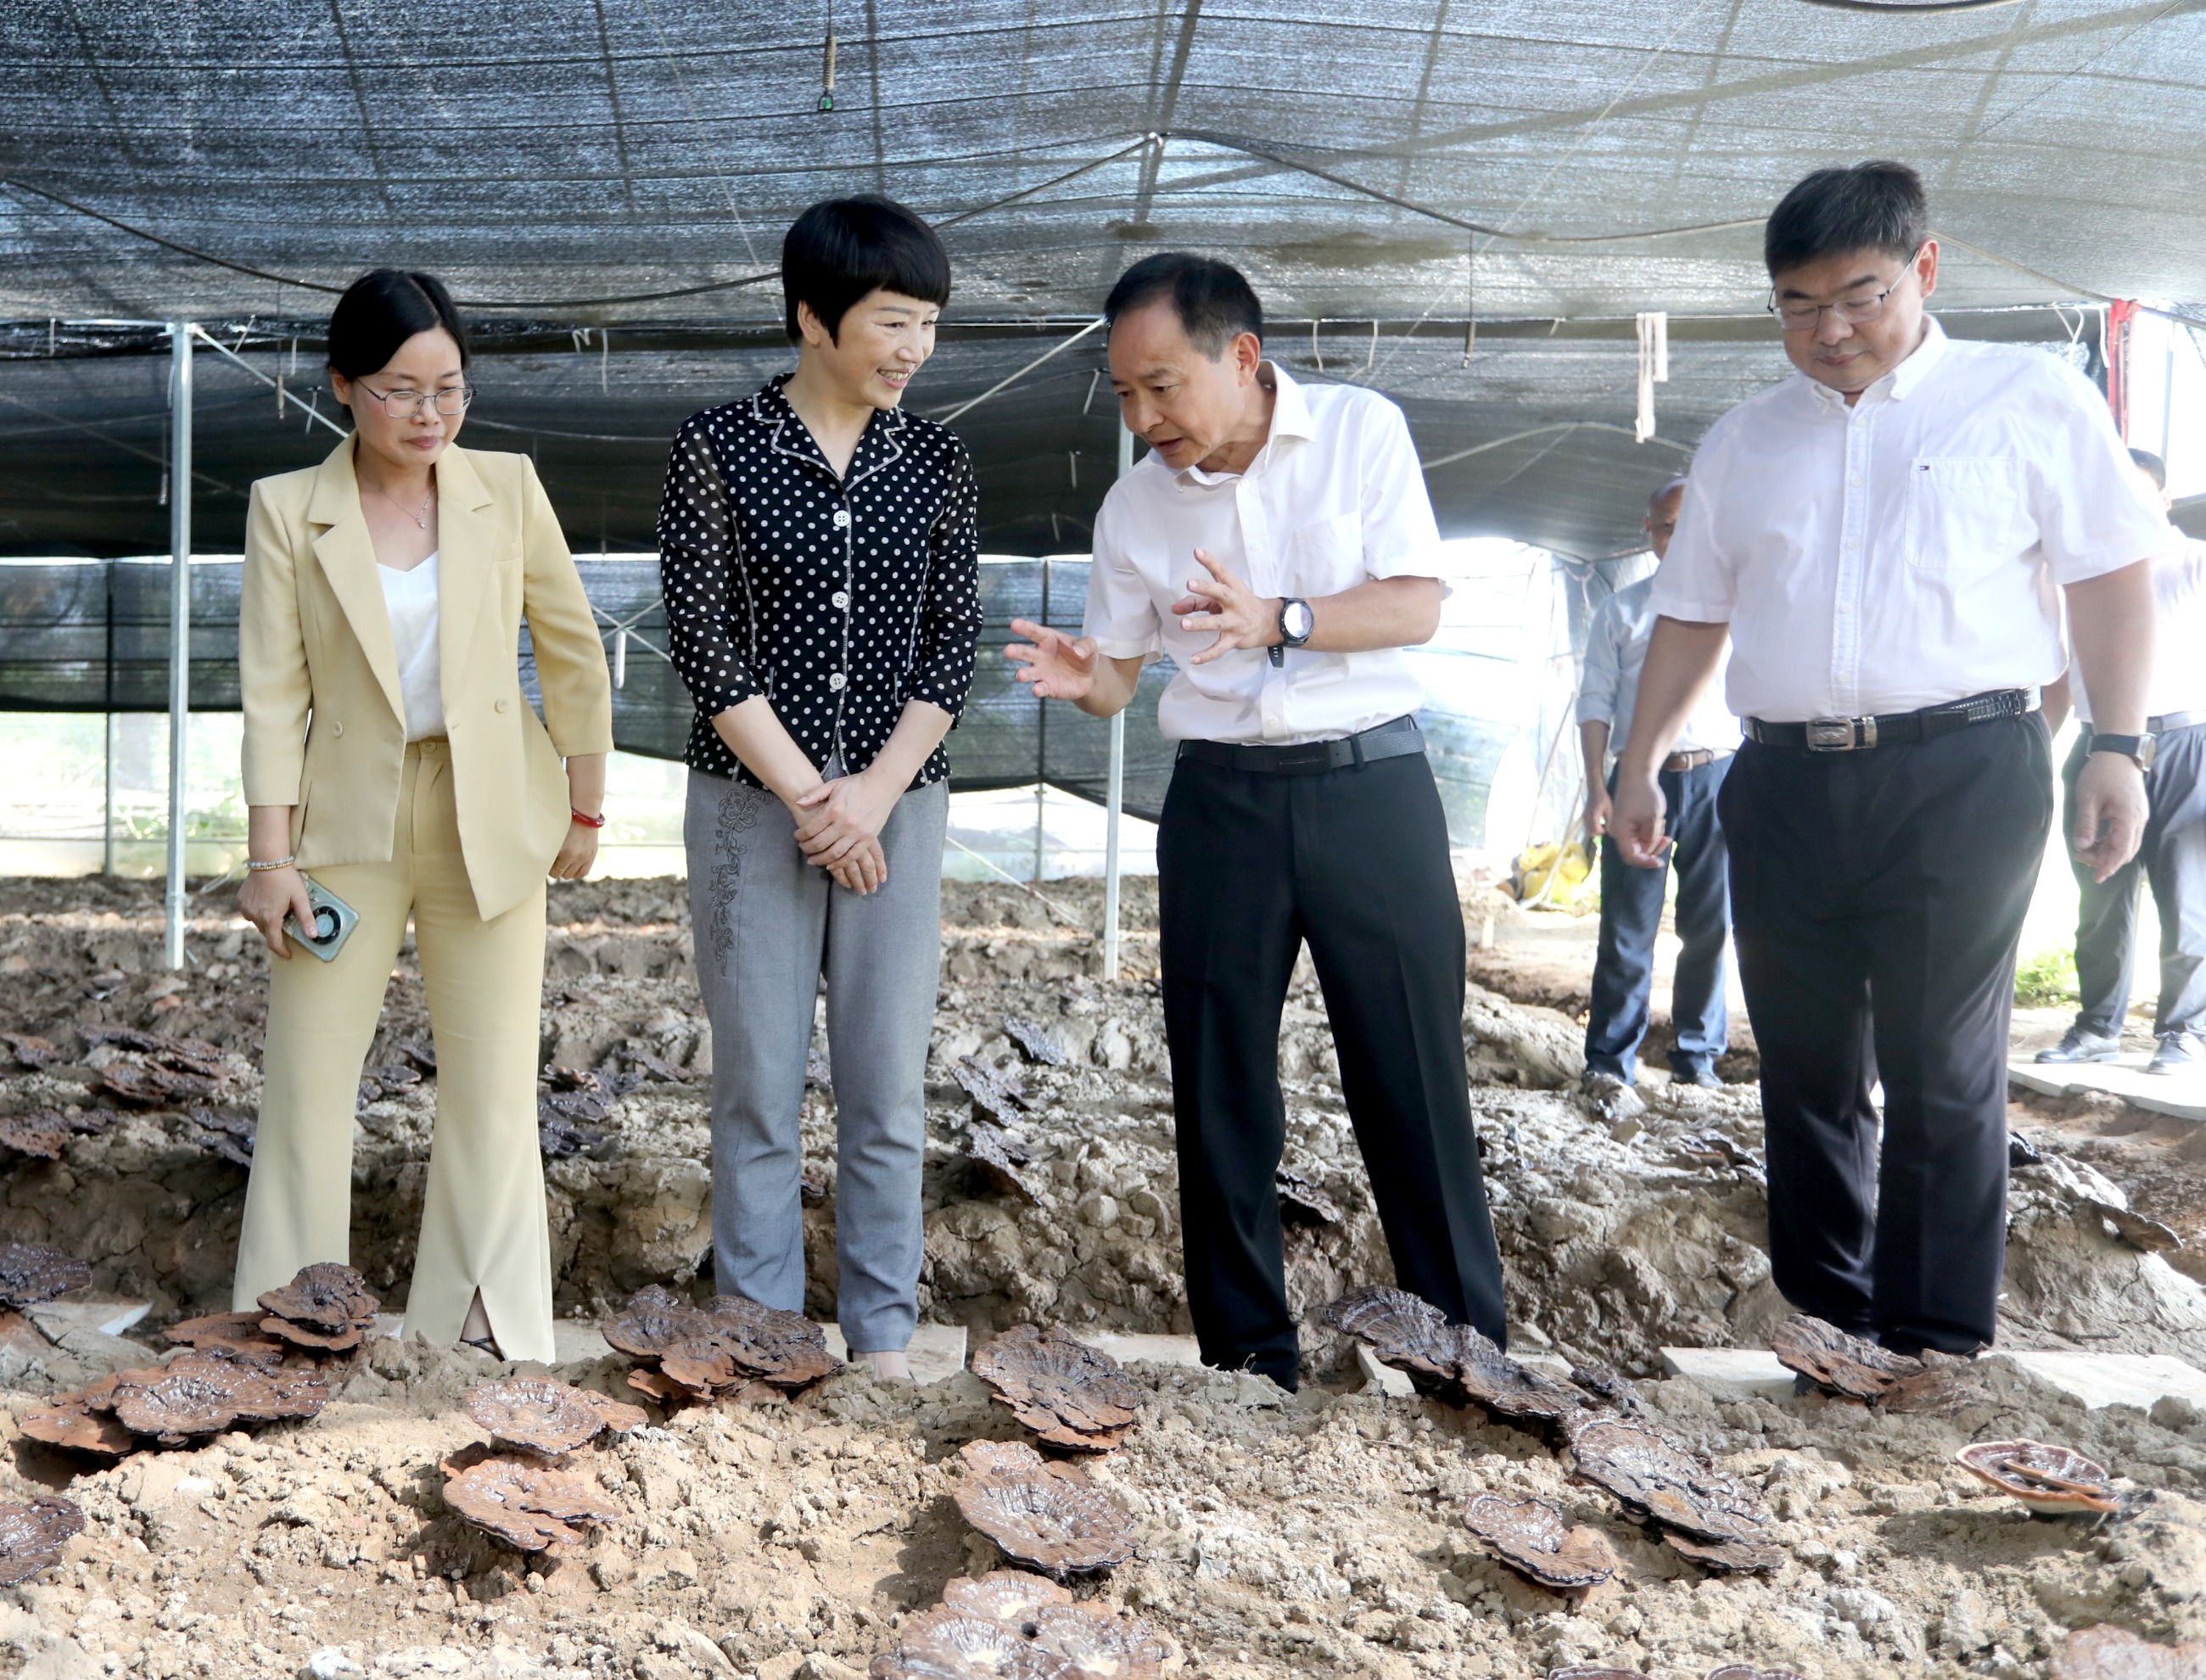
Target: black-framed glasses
x,y
404,404
1853,311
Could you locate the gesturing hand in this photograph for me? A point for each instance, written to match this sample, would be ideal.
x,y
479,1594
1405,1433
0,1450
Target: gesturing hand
x,y
1056,666
1223,603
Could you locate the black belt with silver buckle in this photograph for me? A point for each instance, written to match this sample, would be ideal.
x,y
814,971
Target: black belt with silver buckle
x,y
1898,728
1395,740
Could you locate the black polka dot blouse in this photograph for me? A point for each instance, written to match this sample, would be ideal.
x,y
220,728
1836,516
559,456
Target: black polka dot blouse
x,y
838,599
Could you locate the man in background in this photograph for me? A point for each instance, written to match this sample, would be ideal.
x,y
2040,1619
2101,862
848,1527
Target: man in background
x,y
2172,855
1631,898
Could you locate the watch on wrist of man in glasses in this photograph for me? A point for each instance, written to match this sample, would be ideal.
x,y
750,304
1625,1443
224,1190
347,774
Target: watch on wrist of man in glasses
x,y
2139,749
1297,623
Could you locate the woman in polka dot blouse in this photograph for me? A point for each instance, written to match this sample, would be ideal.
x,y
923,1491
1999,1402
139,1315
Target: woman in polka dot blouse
x,y
820,562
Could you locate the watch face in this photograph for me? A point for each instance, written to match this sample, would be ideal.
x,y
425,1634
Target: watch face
x,y
1299,621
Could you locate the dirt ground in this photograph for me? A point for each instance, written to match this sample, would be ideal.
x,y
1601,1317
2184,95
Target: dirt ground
x,y
1314,1533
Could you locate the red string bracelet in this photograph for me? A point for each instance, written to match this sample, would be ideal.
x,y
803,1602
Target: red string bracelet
x,y
586,821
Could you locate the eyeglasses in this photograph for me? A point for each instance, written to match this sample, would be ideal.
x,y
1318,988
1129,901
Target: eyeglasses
x,y
405,404
1853,311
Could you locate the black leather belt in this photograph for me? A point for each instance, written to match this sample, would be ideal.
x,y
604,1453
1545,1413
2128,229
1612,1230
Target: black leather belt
x,y
1394,740
2173,720
1850,735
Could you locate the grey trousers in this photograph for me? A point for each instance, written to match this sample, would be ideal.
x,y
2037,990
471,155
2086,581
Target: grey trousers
x,y
768,926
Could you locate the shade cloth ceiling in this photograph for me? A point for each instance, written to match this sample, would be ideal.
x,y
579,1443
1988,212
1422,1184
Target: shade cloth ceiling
x,y
1385,173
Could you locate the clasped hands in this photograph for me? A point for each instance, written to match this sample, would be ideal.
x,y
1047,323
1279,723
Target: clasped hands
x,y
838,826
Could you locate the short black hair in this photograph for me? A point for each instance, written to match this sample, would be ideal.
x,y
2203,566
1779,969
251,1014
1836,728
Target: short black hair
x,y
381,311
1879,206
841,249
1214,302
2151,465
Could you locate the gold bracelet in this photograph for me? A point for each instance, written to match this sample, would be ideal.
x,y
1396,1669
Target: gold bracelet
x,y
280,863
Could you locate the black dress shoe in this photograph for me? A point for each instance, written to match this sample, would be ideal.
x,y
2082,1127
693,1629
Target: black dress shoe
x,y
2178,1052
2078,1045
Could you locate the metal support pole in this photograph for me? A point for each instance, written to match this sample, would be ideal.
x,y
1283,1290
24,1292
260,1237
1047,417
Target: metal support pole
x,y
1115,792
180,619
1041,750
107,805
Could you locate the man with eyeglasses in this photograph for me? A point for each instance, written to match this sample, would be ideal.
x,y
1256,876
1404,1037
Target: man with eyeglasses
x,y
1882,538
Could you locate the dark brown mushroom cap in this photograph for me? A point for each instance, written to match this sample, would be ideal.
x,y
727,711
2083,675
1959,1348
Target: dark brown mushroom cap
x,y
1048,1516
946,1642
82,1422
1650,1470
151,1087
326,1297
657,1386
2105,1653
993,1093
1534,1538
784,1349
31,1534
199,1393
1845,1364
652,1322
536,1413
304,1336
1509,1388
1402,1329
1067,1392
996,1158
2044,1477
2134,1228
1036,1041
238,1335
1012,1597
619,1417
1303,1200
35,1272
30,1050
534,1507
1726,1557
44,1134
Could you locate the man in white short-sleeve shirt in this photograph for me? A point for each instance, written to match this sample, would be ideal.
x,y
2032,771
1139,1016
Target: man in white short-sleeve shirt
x,y
1887,539
1277,542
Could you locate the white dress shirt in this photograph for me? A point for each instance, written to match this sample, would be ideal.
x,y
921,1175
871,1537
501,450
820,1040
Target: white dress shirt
x,y
1904,552
1335,497
2178,671
410,599
1616,647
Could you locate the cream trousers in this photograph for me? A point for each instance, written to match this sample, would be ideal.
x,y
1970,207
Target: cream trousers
x,y
483,1224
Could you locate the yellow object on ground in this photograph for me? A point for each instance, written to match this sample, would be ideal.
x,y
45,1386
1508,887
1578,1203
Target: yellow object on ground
x,y
1569,868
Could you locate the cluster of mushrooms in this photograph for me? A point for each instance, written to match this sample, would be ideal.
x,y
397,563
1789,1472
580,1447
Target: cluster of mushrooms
x,y
238,1368
2048,1480
524,1486
1009,1625
730,1349
1701,1511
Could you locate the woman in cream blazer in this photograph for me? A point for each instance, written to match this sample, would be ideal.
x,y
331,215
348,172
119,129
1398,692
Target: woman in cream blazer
x,y
390,755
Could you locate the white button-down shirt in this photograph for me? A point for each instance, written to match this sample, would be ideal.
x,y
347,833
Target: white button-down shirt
x,y
1616,647
1334,499
1904,552
2178,671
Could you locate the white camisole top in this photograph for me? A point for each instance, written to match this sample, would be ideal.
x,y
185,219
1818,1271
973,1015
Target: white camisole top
x,y
410,599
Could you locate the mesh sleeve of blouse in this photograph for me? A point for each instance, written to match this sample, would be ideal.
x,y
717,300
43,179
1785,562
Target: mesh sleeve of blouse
x,y
950,617
696,565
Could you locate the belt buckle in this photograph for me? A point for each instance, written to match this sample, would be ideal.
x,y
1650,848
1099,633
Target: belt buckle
x,y
1836,734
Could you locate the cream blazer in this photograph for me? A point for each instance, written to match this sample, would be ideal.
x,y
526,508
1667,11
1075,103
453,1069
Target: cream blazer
x,y
325,717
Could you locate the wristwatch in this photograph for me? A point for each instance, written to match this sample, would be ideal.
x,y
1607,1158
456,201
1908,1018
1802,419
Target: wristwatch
x,y
2141,749
1297,623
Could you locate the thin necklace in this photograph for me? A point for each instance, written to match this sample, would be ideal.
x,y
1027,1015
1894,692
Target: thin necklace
x,y
422,518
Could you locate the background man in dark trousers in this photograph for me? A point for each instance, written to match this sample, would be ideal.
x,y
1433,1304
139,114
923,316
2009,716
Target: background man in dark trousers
x,y
1277,541
1882,537
2172,855
1631,897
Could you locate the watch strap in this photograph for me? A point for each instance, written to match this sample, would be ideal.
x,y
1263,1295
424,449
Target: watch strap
x,y
2138,747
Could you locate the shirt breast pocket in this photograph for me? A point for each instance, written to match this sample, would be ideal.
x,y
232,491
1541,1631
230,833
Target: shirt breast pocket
x,y
1327,556
1965,513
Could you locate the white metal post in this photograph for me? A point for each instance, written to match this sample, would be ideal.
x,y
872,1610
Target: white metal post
x,y
1115,792
180,618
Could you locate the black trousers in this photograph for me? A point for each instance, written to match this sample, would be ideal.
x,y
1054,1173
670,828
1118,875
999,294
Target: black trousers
x,y
2173,858
1355,860
1877,900
1631,916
